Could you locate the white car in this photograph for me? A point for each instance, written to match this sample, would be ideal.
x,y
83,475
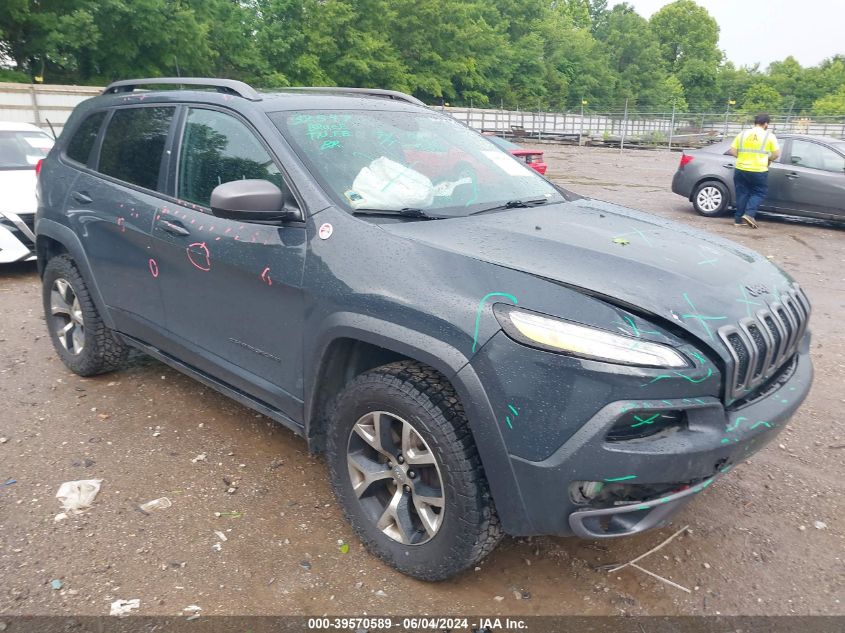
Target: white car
x,y
21,147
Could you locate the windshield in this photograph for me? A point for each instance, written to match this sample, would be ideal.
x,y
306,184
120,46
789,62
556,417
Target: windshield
x,y
389,160
504,144
22,150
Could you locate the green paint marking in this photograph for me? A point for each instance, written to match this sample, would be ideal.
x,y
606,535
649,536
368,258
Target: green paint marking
x,y
481,309
508,420
758,423
726,469
725,440
640,421
626,478
735,425
666,402
698,357
711,262
748,303
700,401
680,375
329,145
642,506
702,319
515,412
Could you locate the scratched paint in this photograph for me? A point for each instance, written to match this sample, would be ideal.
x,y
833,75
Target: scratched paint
x,y
480,309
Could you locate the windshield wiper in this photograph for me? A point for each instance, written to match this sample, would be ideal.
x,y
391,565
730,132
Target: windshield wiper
x,y
514,204
407,212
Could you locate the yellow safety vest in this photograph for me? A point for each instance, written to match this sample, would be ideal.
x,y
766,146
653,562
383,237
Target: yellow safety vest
x,y
753,148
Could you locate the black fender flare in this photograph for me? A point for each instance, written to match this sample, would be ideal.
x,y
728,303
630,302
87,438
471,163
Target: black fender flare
x,y
454,365
69,240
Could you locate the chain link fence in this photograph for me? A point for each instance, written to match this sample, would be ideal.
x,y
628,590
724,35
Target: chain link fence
x,y
636,129
39,104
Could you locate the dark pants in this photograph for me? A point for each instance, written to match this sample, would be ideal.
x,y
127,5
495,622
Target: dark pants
x,y
751,188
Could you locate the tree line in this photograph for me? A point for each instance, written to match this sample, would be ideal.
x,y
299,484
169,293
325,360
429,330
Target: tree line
x,y
529,54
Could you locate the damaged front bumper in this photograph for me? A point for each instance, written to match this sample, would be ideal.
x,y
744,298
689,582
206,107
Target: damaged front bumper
x,y
598,484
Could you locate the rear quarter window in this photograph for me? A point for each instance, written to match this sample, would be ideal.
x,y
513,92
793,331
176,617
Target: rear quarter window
x,y
82,141
134,145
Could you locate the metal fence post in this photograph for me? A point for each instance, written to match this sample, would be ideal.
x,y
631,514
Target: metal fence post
x,y
35,109
672,127
624,127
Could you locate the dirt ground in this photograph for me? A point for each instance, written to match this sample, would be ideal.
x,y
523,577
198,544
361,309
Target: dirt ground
x,y
768,538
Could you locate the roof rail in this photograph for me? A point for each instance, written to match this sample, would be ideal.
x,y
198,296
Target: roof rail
x,y
372,92
226,86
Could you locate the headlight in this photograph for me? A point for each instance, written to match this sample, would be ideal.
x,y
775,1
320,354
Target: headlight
x,y
585,342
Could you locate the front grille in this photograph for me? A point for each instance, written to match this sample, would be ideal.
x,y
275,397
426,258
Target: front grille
x,y
761,344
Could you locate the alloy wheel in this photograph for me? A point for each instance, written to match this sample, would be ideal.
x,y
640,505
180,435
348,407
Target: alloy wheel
x,y
709,199
66,317
396,478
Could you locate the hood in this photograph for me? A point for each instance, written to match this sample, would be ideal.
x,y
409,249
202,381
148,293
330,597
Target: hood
x,y
689,277
18,187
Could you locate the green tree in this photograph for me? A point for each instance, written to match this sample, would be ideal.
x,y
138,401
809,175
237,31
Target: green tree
x,y
688,37
761,97
831,104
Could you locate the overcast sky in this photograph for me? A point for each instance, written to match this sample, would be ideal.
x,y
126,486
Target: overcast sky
x,y
764,31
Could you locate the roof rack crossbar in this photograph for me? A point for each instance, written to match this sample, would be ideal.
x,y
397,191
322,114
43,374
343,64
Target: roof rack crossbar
x,y
226,86
373,92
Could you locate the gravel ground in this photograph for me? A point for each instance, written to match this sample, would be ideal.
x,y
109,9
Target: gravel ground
x,y
765,539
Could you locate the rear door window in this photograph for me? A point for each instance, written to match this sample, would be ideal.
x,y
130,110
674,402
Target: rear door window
x,y
815,156
82,141
134,145
217,148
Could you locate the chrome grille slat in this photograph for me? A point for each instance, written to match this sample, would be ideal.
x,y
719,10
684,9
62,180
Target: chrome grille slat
x,y
761,344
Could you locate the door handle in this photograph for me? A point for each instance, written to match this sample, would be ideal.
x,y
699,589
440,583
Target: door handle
x,y
728,165
792,175
174,228
82,198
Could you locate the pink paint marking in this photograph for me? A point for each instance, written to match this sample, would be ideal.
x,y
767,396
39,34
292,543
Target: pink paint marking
x,y
227,230
153,268
265,276
121,222
199,256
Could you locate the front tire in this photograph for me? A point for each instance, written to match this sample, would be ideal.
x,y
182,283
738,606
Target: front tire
x,y
77,331
407,474
711,199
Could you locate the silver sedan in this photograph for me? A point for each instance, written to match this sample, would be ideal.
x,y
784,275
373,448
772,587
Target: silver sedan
x,y
808,179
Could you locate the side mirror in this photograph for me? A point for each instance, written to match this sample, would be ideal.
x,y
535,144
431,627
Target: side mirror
x,y
252,200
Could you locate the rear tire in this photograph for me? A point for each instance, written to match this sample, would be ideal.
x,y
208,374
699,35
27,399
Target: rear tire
x,y
77,331
711,199
399,437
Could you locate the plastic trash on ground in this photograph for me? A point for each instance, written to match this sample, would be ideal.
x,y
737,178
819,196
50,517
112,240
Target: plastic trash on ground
x,y
386,184
124,607
155,504
76,496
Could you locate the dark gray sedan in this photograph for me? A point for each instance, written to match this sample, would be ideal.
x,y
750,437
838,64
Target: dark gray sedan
x,y
808,179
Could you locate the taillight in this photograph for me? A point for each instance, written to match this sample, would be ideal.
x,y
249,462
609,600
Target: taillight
x,y
38,166
685,158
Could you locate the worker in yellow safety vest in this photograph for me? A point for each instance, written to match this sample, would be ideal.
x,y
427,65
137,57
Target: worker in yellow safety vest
x,y
754,150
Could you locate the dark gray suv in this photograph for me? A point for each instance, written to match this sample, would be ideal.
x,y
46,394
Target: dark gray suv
x,y
475,350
